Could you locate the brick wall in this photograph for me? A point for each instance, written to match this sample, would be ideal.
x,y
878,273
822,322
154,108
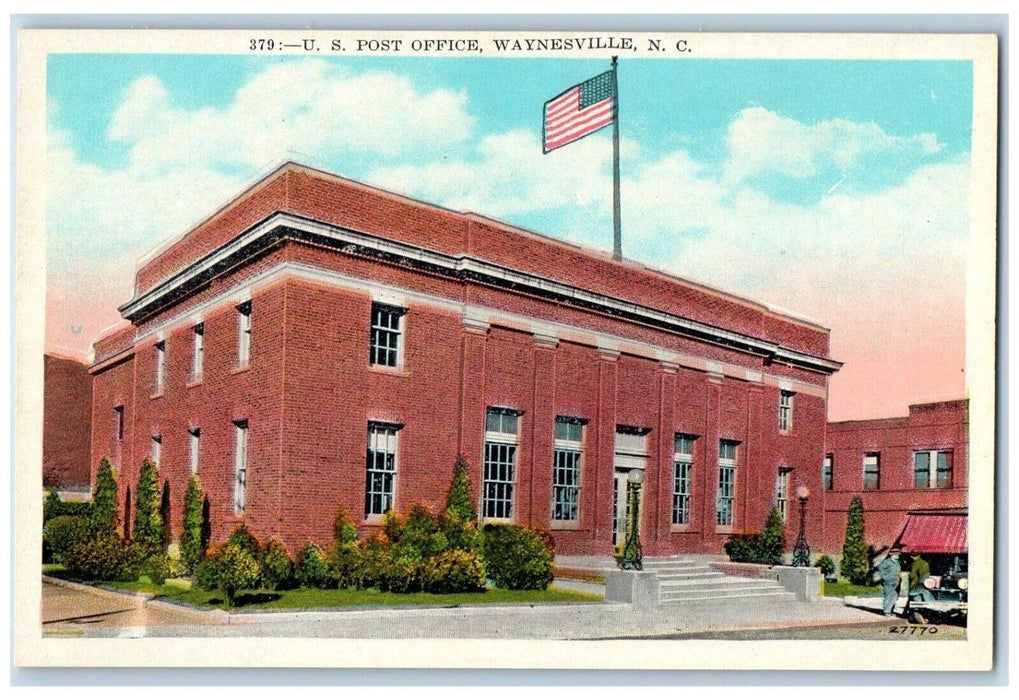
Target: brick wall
x,y
67,401
934,426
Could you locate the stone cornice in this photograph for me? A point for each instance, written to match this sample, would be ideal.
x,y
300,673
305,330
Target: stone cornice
x,y
281,226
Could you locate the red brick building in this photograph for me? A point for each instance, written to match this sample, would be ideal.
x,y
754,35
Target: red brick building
x,y
910,470
67,403
318,341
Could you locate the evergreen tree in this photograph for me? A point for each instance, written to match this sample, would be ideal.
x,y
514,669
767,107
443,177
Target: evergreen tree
x,y
344,531
104,500
192,546
854,548
772,538
164,515
459,502
459,519
148,525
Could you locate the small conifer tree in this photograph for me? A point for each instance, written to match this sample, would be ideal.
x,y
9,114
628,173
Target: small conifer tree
x,y
104,499
854,548
192,546
459,503
344,531
772,538
148,525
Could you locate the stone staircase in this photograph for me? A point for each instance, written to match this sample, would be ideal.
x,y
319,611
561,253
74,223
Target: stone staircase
x,y
692,580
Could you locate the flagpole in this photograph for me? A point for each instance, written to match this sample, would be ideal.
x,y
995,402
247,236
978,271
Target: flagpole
x,y
617,227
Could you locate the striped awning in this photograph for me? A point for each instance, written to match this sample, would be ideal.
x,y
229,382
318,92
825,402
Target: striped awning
x,y
934,534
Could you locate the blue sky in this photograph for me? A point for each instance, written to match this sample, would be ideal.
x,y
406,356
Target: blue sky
x,y
828,187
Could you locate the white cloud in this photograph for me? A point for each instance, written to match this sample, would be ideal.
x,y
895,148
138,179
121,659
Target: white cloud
x,y
761,141
311,107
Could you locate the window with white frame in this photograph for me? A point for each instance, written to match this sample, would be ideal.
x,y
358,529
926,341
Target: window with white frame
x,y
872,471
197,357
160,367
726,482
502,430
932,469
567,454
243,333
195,445
380,467
828,473
386,335
782,491
156,449
785,410
681,489
240,466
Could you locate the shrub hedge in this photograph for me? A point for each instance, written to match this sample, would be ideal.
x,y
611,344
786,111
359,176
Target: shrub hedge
x,y
63,531
102,556
453,571
277,569
517,558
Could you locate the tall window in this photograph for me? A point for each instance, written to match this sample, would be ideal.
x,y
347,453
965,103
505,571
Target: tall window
x,y
118,422
683,461
195,440
782,491
385,342
156,449
872,471
243,333
726,481
569,446
241,466
160,366
938,477
827,473
379,491
501,439
197,358
785,410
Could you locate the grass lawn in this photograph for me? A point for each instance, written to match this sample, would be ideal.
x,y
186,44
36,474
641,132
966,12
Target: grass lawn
x,y
332,598
842,587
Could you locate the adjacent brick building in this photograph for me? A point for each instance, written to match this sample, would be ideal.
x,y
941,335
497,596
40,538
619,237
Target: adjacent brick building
x,y
908,470
319,342
67,403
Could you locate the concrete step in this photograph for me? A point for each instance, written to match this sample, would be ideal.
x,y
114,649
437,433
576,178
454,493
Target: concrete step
x,y
715,581
668,575
707,596
721,590
677,567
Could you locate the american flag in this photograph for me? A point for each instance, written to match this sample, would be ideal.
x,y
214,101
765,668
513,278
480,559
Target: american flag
x,y
579,111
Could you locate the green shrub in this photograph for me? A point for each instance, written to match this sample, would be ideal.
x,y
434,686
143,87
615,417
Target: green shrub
x,y
744,547
63,531
277,569
374,558
102,556
421,532
237,570
191,544
517,558
148,525
772,539
207,572
826,564
104,500
453,571
392,526
854,548
310,567
243,538
156,567
401,568
344,563
343,527
53,507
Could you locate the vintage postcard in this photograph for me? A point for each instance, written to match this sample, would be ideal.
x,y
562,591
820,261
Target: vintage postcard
x,y
505,349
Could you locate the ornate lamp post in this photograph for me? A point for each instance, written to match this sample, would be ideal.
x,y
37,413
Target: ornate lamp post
x,y
632,556
801,552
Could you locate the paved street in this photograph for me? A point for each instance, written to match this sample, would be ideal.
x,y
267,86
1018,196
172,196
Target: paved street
x,y
82,611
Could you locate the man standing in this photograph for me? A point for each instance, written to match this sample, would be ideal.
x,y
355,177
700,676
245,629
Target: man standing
x,y
918,573
888,572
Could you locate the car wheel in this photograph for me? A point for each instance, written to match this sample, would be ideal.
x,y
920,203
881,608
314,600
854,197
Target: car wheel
x,y
918,618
